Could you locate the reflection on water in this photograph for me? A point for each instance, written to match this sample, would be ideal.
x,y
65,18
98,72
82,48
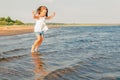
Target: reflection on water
x,y
39,70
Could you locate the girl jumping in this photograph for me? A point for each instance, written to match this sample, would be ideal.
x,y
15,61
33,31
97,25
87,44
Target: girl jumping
x,y
40,27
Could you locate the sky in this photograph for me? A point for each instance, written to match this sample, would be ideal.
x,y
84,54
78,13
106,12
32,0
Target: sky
x,y
67,11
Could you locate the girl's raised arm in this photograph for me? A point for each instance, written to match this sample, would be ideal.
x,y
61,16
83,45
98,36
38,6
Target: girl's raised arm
x,y
51,16
35,16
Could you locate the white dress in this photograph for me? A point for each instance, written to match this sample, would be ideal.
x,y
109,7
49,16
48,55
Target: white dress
x,y
40,25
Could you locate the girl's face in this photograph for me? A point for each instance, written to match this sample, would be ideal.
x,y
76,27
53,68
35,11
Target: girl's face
x,y
43,11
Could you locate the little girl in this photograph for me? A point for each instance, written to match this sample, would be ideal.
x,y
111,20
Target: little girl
x,y
40,27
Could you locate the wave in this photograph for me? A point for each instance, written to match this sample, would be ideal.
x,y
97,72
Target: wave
x,y
7,59
14,50
80,73
13,54
87,69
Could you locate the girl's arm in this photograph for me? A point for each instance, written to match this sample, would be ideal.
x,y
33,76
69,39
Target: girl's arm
x,y
35,16
50,17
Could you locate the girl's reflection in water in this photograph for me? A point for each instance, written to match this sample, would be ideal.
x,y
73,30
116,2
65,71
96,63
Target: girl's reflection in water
x,y
39,70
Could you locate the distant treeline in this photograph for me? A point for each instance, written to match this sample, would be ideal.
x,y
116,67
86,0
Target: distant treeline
x,y
9,21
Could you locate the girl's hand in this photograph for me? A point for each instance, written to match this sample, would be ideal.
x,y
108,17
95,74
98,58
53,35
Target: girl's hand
x,y
35,16
33,12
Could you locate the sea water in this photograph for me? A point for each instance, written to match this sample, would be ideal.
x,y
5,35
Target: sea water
x,y
67,53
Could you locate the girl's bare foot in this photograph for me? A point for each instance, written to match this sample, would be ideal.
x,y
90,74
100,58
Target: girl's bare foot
x,y
37,50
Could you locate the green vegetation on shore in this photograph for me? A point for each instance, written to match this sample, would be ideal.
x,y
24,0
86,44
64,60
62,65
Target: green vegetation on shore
x,y
9,21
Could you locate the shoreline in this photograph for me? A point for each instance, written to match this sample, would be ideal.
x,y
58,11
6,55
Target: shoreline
x,y
11,30
19,29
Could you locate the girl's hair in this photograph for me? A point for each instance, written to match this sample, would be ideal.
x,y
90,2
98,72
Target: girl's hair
x,y
41,8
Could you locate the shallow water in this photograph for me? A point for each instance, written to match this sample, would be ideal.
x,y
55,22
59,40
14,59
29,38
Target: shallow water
x,y
69,53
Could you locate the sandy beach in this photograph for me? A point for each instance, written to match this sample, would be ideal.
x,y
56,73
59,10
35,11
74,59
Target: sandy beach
x,y
18,29
15,30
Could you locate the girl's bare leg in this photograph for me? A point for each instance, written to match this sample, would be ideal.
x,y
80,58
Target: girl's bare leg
x,y
39,43
35,43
